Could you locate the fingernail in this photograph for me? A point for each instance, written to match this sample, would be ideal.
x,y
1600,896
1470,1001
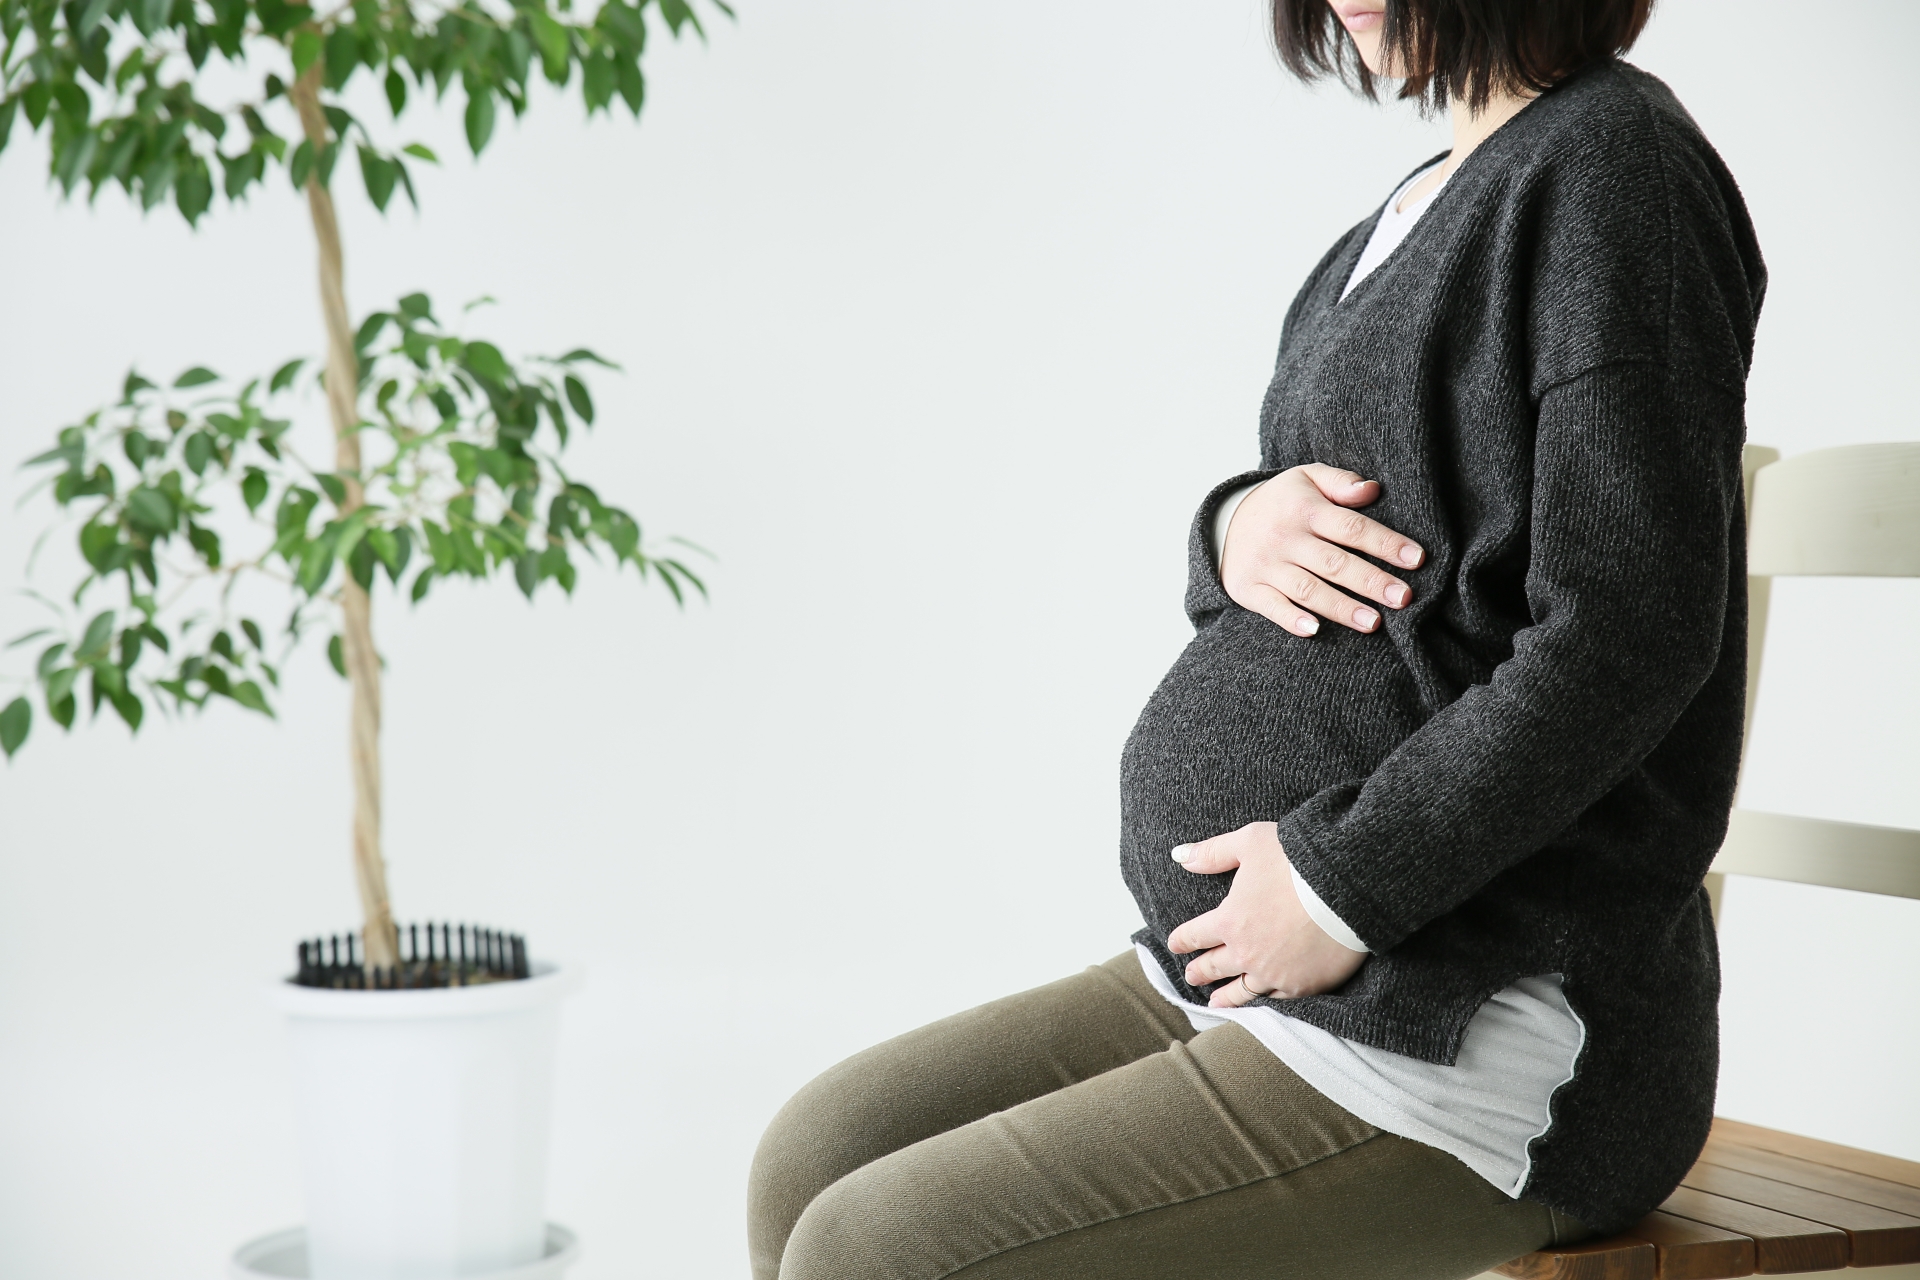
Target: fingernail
x,y
1365,619
1396,595
1181,852
1308,626
1409,555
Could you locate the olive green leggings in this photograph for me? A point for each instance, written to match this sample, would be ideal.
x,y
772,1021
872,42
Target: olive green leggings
x,y
1083,1130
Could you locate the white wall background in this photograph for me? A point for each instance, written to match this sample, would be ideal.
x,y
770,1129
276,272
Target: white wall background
x,y
938,320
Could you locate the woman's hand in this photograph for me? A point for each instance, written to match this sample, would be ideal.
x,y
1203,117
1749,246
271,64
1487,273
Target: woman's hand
x,y
1283,549
1261,932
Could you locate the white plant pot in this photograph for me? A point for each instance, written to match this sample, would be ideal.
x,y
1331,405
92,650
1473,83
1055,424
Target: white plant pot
x,y
424,1119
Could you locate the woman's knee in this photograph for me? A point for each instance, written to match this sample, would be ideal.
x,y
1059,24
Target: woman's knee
x,y
848,1116
807,1147
863,1227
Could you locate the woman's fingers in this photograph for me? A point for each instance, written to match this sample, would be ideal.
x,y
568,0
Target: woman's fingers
x,y
1351,529
1291,553
1197,934
1348,488
1309,591
1207,857
1241,990
1356,573
1211,967
1275,607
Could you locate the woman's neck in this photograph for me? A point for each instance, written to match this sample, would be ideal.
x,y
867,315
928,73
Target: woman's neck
x,y
1470,129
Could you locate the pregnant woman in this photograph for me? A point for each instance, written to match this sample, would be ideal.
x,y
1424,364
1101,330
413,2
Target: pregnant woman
x,y
1417,823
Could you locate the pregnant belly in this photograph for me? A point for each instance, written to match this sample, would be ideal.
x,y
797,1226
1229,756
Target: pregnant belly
x,y
1250,722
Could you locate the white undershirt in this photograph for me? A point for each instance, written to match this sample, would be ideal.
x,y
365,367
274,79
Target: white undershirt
x,y
1393,226
1518,1049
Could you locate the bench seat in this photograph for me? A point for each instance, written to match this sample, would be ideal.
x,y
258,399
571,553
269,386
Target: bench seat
x,y
1758,1202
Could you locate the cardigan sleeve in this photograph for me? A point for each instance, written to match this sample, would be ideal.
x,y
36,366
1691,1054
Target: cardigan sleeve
x,y
1635,508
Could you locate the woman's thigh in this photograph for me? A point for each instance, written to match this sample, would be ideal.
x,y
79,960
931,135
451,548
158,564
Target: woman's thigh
x,y
945,1075
1208,1159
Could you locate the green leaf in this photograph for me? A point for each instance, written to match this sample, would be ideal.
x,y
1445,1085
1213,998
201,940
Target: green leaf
x,y
420,151
99,632
479,117
485,360
598,76
633,85
150,510
307,46
403,551
134,383
526,572
385,547
316,563
192,193
97,542
420,584
14,723
416,307
198,376
300,168
379,175
623,535
206,542
370,329
337,655
343,55
252,630
581,353
108,681
361,563
577,397
60,689
554,564
128,704
199,452
335,487
396,92
279,17
135,445
248,695
556,44
253,488
35,634
283,376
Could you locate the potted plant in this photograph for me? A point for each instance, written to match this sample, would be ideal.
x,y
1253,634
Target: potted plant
x,y
199,514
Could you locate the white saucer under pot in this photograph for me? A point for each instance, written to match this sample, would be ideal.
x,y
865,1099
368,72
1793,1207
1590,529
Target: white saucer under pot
x,y
283,1256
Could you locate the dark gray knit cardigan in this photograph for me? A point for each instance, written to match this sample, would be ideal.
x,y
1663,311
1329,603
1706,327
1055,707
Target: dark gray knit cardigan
x,y
1528,769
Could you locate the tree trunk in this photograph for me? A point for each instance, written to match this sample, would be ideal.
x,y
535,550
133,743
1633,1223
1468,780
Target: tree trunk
x,y
356,633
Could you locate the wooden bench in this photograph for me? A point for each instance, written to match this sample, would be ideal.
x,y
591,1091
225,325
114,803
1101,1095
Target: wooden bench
x,y
1758,1201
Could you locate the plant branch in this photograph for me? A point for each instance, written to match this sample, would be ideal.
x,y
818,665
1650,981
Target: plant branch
x,y
362,662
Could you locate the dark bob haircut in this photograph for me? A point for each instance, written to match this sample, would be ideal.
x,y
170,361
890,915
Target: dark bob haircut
x,y
1468,49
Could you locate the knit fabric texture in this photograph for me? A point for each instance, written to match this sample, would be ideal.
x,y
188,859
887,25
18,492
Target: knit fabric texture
x,y
1529,769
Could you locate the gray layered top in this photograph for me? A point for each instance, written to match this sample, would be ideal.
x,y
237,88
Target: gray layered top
x,y
1528,769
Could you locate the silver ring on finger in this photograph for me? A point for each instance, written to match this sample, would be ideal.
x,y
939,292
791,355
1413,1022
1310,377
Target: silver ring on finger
x,y
1252,994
